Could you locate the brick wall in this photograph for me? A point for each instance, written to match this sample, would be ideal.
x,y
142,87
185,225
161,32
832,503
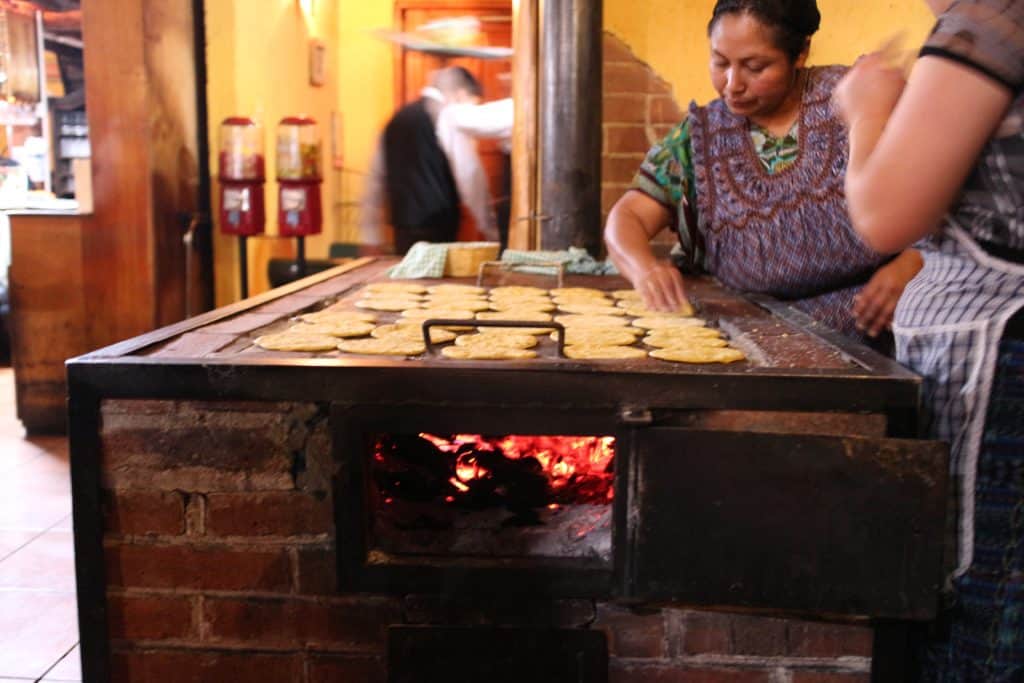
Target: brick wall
x,y
638,110
220,560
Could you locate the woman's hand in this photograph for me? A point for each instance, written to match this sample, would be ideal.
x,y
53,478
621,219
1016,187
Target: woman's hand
x,y
661,287
873,307
869,90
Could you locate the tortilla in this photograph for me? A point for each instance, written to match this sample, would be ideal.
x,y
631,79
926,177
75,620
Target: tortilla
x,y
455,288
684,332
295,341
659,322
412,331
686,342
577,292
387,346
478,352
603,351
514,314
513,341
523,305
392,304
513,330
698,355
427,313
627,295
337,328
394,288
330,316
578,320
459,304
605,336
637,309
590,309
518,291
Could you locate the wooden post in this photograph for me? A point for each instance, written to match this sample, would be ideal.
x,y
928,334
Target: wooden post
x,y
523,227
570,124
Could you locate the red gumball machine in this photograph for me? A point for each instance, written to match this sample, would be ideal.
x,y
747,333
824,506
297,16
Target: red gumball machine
x,y
298,178
242,174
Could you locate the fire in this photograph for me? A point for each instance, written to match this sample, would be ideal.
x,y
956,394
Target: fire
x,y
479,471
561,457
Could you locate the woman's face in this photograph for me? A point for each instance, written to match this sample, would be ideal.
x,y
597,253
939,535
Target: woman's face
x,y
751,74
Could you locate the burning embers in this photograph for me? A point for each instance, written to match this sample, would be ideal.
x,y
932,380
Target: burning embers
x,y
476,495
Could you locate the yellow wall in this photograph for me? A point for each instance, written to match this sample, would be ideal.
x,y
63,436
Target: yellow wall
x,y
258,66
247,78
366,74
671,36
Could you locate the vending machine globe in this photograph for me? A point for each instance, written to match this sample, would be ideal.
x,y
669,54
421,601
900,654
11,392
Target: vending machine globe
x,y
242,173
298,177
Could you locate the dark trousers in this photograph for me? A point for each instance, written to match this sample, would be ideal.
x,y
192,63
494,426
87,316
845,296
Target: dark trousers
x,y
441,227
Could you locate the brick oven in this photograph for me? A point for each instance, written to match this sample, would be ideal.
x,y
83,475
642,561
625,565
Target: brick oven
x,y
243,515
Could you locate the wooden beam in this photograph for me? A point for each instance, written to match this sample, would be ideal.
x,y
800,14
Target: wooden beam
x,y
523,227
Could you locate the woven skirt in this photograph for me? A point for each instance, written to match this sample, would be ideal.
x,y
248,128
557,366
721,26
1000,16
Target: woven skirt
x,y
980,637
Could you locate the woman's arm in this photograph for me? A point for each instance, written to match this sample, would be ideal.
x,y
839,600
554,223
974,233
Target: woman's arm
x,y
910,153
874,306
633,222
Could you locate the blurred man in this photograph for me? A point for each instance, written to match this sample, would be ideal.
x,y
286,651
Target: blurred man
x,y
424,167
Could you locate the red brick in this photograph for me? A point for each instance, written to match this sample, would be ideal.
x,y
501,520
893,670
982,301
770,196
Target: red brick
x,y
610,195
356,624
707,633
317,571
199,666
625,77
757,635
819,677
634,672
204,446
657,85
812,639
660,130
632,635
624,109
620,169
272,513
506,611
212,568
615,49
347,670
144,512
626,140
663,110
150,617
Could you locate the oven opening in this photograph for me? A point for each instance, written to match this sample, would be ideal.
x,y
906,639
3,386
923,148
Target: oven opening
x,y
492,496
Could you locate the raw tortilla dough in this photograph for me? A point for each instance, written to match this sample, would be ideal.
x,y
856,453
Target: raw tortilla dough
x,y
699,355
294,341
603,351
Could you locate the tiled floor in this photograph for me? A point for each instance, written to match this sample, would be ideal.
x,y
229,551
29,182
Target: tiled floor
x,y
38,624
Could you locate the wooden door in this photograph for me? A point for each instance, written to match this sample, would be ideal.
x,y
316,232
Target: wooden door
x,y
414,68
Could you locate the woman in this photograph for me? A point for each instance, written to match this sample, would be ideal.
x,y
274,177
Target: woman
x,y
960,115
753,182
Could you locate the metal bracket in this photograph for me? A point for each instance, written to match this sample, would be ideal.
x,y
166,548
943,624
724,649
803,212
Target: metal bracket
x,y
636,416
558,267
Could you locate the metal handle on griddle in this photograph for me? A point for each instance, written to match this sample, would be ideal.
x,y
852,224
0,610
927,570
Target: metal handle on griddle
x,y
456,322
509,265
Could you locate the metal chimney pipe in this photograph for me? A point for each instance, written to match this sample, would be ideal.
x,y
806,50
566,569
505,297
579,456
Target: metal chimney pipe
x,y
570,124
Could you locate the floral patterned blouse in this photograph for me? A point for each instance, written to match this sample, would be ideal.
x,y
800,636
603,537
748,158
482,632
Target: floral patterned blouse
x,y
667,173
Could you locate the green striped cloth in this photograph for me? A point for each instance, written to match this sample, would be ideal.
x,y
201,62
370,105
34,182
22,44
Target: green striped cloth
x,y
576,261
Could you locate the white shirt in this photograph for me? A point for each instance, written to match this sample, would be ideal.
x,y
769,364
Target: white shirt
x,y
453,129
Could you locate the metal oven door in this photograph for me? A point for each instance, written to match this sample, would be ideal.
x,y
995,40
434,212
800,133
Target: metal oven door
x,y
474,499
815,524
